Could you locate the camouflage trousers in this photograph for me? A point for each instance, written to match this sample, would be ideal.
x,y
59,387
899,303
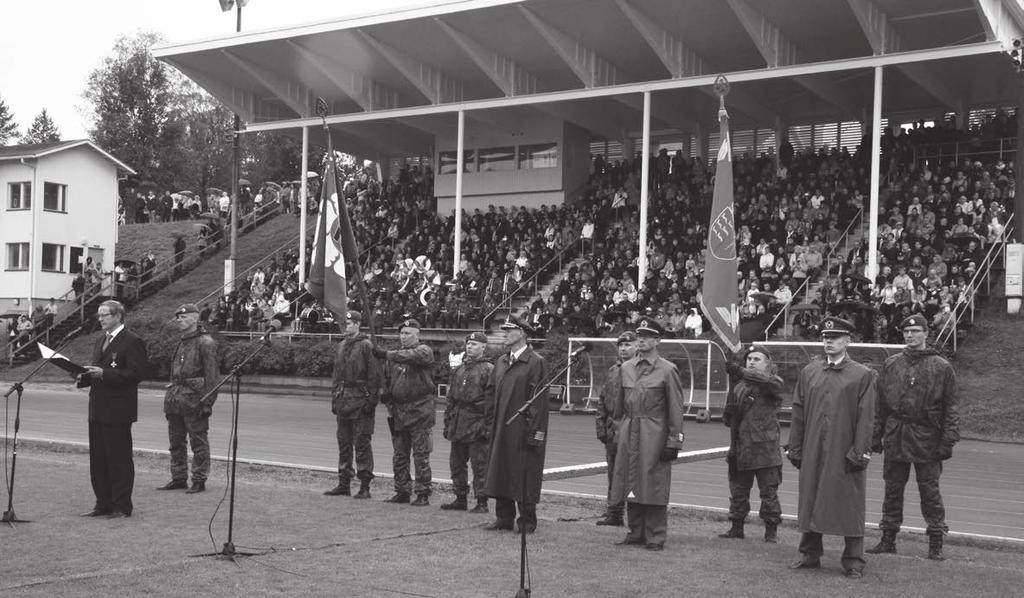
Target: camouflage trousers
x,y
419,442
354,436
475,452
768,480
896,474
193,429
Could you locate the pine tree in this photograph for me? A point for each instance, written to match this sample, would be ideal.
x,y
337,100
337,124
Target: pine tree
x,y
42,130
8,127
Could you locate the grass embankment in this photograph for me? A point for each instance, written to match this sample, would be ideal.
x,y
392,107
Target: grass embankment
x,y
134,241
206,278
314,545
991,373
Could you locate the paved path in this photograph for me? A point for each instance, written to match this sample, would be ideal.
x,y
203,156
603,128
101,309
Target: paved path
x,y
983,485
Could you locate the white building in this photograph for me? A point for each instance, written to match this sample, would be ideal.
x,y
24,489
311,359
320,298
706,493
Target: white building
x,y
59,208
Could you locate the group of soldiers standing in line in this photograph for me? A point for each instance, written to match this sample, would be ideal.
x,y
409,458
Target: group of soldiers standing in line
x,y
842,412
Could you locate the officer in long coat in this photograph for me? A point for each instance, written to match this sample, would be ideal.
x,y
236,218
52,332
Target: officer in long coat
x,y
194,373
916,424
830,443
607,427
751,412
650,406
515,468
468,418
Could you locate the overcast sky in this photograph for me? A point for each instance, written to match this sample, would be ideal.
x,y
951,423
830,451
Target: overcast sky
x,y
48,47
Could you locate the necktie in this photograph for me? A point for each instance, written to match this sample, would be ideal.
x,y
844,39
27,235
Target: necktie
x,y
106,342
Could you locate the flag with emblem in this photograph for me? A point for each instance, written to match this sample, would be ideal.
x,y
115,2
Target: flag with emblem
x,y
719,293
333,241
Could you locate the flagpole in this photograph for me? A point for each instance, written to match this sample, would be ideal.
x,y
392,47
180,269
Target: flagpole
x,y
357,270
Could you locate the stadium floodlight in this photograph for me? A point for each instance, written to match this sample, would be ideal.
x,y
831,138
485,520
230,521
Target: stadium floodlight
x,y
227,5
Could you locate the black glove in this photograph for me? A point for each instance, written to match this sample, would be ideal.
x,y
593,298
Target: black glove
x,y
378,352
205,410
854,467
668,454
877,446
945,452
732,368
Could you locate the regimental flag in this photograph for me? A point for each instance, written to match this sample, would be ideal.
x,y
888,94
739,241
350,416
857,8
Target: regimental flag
x,y
719,295
333,241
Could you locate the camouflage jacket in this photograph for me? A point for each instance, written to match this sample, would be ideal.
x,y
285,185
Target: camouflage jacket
x,y
357,378
194,372
751,411
469,411
411,388
916,415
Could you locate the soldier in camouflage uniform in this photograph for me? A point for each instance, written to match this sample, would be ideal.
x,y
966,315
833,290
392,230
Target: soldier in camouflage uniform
x,y
607,426
357,381
916,424
410,399
751,414
194,372
468,416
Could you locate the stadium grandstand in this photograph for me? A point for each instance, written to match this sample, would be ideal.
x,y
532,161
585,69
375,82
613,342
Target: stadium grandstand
x,y
539,155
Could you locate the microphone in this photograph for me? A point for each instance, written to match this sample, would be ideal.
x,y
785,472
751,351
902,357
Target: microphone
x,y
580,350
274,326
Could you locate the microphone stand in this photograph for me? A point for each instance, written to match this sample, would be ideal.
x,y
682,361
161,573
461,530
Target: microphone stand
x,y
524,412
228,550
9,517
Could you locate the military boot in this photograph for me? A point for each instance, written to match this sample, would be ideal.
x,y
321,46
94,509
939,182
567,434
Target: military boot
x,y
398,498
342,489
771,534
481,506
935,547
422,500
459,504
887,545
611,517
364,489
736,531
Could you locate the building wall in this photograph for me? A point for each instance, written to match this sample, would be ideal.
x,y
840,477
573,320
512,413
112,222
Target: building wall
x,y
89,221
531,187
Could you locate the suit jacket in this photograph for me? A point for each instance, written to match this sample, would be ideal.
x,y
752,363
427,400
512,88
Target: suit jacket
x,y
114,397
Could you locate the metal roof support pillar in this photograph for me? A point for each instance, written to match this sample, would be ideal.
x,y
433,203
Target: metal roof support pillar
x,y
871,267
459,159
302,206
645,175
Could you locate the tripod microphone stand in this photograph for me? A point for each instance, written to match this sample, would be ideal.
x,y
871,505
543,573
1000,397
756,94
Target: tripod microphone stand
x,y
524,412
228,550
9,517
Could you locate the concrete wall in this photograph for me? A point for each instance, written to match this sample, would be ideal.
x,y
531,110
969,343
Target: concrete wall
x,y
89,222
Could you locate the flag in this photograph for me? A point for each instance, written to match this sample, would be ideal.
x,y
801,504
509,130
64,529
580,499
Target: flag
x,y
719,294
332,243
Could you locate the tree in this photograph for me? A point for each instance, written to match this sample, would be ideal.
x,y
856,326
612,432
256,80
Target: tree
x,y
8,126
129,99
42,130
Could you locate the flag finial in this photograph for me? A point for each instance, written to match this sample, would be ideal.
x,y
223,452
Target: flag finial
x,y
722,89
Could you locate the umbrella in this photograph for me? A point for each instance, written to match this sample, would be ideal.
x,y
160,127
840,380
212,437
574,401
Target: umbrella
x,y
213,191
854,305
273,185
805,307
147,183
762,296
311,175
294,182
244,182
186,192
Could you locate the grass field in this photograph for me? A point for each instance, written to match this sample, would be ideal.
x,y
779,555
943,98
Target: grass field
x,y
313,545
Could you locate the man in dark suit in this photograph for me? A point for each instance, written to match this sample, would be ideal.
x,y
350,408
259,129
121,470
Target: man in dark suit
x,y
119,362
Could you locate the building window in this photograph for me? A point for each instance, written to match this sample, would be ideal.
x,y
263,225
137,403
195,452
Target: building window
x,y
542,155
55,197
53,258
20,195
496,159
17,256
447,164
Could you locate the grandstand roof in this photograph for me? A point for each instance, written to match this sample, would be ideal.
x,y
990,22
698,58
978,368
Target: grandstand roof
x,y
393,79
